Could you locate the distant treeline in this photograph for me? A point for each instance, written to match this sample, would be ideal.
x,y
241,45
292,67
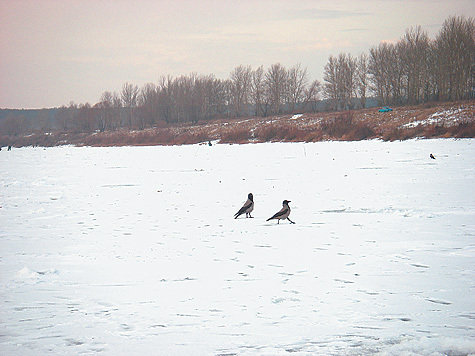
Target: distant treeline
x,y
413,70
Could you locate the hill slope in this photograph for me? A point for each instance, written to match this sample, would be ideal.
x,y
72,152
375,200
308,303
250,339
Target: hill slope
x,y
425,121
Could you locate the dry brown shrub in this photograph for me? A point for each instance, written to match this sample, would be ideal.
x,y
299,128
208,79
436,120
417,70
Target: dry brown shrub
x,y
464,129
296,134
5,140
116,138
346,128
164,136
393,135
134,138
268,133
435,130
314,135
359,132
189,138
401,134
272,133
429,105
236,136
161,124
337,127
44,140
142,138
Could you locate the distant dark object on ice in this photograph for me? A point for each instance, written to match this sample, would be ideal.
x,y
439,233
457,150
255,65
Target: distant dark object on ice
x,y
247,208
432,156
283,213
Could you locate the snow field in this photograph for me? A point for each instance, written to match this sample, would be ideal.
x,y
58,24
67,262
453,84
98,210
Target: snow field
x,y
134,250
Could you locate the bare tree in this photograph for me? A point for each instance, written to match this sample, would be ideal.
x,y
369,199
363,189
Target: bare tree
x,y
212,96
14,124
117,112
101,114
103,111
217,97
311,96
340,81
415,61
347,79
148,102
386,73
41,122
362,79
65,117
330,77
181,95
165,98
296,86
200,100
397,77
258,92
85,118
241,78
130,95
455,52
62,119
276,84
187,94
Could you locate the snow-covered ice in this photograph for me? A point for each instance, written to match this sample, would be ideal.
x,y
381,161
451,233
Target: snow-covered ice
x,y
134,250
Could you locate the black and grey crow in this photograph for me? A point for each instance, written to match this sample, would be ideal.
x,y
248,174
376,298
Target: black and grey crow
x,y
247,208
283,213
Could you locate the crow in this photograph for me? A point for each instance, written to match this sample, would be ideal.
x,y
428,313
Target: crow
x,y
247,208
283,213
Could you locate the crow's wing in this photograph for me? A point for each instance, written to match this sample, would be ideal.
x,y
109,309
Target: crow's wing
x,y
243,209
282,212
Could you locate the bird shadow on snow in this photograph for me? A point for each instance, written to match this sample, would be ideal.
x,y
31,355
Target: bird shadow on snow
x,y
265,223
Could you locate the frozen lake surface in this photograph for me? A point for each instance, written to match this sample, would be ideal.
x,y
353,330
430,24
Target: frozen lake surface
x,y
134,250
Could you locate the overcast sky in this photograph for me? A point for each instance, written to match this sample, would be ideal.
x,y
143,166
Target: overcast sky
x,y
53,52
